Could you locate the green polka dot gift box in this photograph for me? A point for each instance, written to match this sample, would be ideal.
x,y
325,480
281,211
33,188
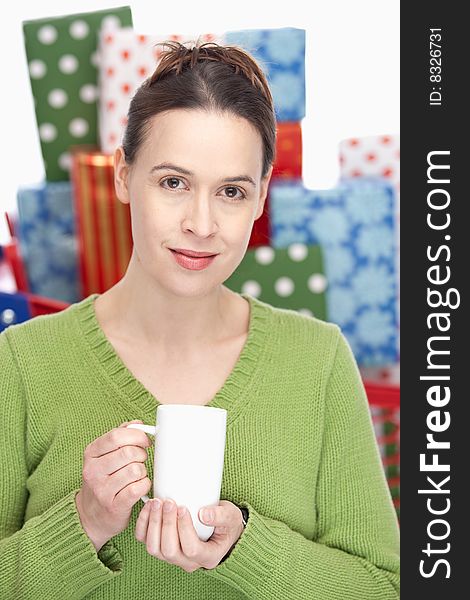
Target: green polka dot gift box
x,y
62,61
291,277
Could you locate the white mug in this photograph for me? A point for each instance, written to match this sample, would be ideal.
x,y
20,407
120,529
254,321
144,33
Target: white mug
x,y
189,457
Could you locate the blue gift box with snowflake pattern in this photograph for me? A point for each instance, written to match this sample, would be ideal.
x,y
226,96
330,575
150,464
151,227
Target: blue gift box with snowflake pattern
x,y
281,54
354,223
46,234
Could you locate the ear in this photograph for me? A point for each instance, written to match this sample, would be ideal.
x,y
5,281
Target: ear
x,y
263,192
121,176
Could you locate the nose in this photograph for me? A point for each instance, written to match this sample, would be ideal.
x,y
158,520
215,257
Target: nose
x,y
199,216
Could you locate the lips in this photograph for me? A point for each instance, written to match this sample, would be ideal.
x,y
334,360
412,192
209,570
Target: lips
x,y
193,263
192,253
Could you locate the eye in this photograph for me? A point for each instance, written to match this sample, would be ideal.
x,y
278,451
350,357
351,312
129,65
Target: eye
x,y
235,189
172,180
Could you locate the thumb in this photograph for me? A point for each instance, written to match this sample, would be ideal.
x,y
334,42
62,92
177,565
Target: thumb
x,y
129,422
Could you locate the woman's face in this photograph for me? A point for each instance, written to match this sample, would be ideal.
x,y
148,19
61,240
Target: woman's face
x,y
195,185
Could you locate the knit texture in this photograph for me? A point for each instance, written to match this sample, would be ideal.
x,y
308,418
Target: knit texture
x,y
300,454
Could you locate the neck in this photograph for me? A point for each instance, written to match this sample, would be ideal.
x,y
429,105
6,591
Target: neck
x,y
139,308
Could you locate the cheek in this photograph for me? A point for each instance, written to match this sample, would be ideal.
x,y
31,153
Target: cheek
x,y
148,220
237,225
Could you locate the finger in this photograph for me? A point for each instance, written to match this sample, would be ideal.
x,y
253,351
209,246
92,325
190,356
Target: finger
x,y
131,473
142,522
191,545
130,494
113,461
225,514
116,438
169,543
154,528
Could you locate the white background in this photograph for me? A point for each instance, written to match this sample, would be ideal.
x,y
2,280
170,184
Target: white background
x,y
352,72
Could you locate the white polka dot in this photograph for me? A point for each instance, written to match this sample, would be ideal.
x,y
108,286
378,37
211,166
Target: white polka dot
x,y
65,161
88,93
79,30
95,59
37,69
8,316
264,255
78,127
284,286
306,311
110,22
251,287
57,98
47,132
47,34
297,252
317,283
68,63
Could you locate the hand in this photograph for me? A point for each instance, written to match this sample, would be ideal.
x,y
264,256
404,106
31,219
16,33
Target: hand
x,y
172,538
114,479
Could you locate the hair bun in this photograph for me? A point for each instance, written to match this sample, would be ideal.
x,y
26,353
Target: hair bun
x,y
180,57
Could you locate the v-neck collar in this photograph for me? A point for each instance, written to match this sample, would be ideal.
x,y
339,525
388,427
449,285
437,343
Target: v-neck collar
x,y
230,396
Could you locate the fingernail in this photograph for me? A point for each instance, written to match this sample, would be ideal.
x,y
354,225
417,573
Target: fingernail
x,y
181,511
156,504
207,515
167,505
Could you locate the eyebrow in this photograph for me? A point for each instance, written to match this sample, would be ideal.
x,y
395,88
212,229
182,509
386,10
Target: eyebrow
x,y
172,167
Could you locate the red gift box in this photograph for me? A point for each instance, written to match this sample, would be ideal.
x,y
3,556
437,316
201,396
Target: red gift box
x,y
288,162
103,222
384,402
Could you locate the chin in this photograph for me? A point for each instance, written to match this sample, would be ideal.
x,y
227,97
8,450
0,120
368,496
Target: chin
x,y
191,289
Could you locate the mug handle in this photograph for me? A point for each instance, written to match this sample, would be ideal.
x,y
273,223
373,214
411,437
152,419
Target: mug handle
x,y
152,430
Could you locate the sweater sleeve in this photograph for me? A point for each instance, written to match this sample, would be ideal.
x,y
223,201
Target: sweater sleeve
x,y
49,555
355,553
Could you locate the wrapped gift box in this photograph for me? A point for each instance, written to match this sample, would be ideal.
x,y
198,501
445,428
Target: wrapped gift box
x,y
354,224
14,308
291,277
384,401
19,307
375,156
103,222
261,232
46,235
288,161
13,271
281,54
61,54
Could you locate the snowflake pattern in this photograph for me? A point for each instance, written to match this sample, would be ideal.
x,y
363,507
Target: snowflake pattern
x,y
373,285
340,264
375,243
342,304
46,234
281,54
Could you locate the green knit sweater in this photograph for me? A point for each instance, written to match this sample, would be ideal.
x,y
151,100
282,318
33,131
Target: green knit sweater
x,y
300,454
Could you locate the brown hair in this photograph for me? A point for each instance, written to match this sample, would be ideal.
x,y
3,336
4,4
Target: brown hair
x,y
206,76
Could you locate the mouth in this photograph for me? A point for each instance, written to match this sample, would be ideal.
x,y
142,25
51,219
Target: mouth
x,y
193,253
193,263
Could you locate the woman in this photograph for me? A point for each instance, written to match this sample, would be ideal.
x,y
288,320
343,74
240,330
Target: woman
x,y
306,511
